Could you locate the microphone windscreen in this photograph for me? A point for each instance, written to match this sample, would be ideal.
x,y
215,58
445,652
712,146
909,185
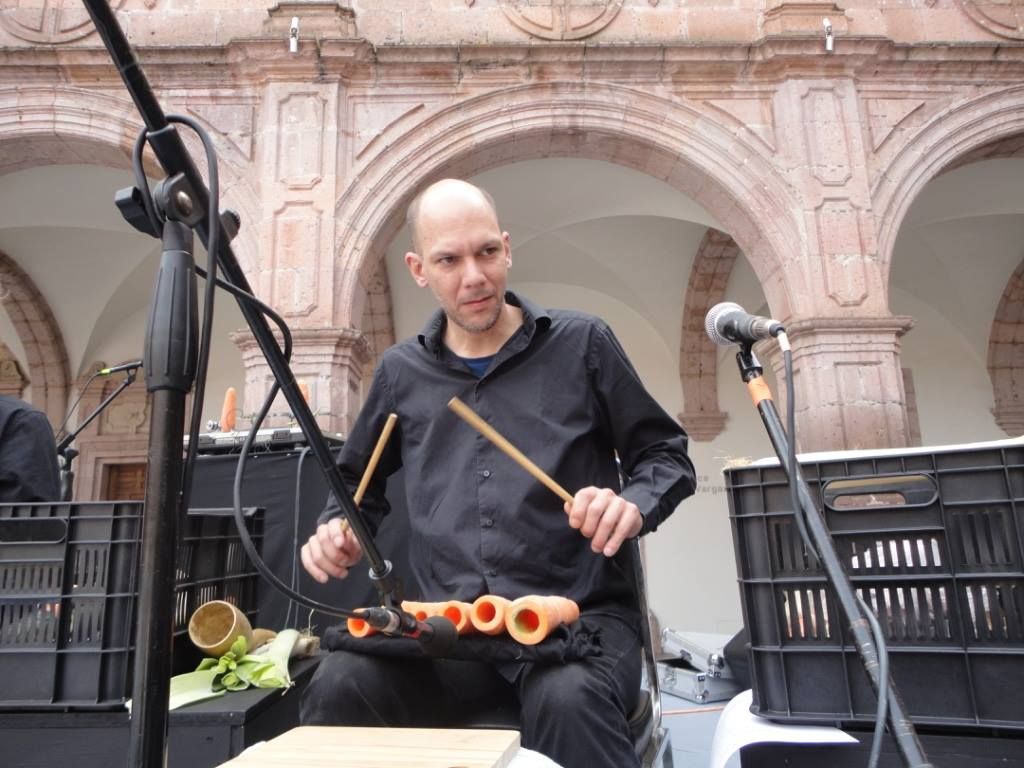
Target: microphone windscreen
x,y
442,637
714,315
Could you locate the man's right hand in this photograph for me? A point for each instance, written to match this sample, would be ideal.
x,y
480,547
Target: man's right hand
x,y
331,551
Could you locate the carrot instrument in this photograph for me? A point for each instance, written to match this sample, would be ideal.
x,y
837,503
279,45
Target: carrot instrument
x,y
228,410
532,618
422,611
459,614
488,614
359,628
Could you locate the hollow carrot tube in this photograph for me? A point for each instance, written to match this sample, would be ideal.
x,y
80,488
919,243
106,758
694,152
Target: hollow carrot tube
x,y
227,411
420,610
459,614
488,614
359,628
532,618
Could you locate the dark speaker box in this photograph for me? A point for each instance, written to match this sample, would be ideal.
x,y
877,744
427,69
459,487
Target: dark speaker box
x,y
289,485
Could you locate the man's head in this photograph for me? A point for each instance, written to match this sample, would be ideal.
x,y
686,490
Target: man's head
x,y
460,252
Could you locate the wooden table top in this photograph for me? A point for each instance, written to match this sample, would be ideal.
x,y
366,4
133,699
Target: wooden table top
x,y
330,747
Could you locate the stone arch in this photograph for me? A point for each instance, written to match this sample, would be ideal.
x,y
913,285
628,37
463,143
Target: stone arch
x,y
966,127
977,128
40,336
48,125
698,356
1006,356
671,141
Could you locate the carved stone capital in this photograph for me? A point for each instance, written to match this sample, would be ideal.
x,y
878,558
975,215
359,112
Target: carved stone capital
x,y
703,426
1010,418
329,363
848,381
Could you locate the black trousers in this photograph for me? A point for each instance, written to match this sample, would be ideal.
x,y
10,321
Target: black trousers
x,y
577,714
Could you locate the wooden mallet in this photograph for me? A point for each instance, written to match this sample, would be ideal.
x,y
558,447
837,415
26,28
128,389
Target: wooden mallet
x,y
510,450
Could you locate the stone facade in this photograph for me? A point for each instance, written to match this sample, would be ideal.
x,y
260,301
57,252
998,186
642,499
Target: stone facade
x,y
806,140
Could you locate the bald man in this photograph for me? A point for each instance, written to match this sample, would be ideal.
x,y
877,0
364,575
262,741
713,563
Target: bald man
x,y
558,385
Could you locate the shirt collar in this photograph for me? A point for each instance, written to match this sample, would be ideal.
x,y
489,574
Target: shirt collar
x,y
534,319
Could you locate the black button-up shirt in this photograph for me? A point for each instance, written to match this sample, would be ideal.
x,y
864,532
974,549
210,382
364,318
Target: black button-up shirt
x,y
562,391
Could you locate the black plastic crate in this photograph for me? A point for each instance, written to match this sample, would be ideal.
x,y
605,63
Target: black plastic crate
x,y
931,539
69,576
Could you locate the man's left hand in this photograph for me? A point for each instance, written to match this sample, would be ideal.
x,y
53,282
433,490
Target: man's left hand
x,y
604,517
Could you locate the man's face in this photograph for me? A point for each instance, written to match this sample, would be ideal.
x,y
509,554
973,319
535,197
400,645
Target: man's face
x,y
464,258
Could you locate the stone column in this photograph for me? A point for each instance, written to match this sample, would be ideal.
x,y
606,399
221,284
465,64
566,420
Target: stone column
x,y
848,377
848,382
329,361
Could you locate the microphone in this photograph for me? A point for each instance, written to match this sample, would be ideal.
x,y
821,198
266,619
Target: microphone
x,y
119,368
436,635
728,323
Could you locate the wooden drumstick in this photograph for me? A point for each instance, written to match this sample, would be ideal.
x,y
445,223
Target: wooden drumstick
x,y
510,450
378,449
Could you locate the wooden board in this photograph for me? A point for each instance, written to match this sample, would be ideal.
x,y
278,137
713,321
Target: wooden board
x,y
323,747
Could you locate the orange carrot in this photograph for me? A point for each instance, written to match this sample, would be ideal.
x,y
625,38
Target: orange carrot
x,y
459,614
304,389
420,610
227,412
359,628
532,618
488,614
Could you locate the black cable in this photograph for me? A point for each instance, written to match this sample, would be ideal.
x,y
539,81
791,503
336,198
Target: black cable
x,y
243,533
142,184
883,682
881,712
794,496
238,293
203,361
213,214
296,509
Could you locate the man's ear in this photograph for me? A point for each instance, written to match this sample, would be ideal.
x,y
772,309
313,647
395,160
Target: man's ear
x,y
508,248
415,265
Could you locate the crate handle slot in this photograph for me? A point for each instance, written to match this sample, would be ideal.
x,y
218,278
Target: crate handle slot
x,y
33,530
879,492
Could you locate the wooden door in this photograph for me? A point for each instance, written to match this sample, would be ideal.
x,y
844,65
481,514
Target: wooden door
x,y
124,482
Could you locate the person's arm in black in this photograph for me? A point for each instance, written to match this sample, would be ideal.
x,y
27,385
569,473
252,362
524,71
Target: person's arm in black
x,y
333,548
28,459
651,444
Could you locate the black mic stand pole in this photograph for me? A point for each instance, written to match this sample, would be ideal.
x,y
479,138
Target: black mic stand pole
x,y
67,453
170,151
901,727
170,363
164,476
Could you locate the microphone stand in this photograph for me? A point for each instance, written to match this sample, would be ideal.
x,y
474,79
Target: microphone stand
x,y
149,723
67,453
901,727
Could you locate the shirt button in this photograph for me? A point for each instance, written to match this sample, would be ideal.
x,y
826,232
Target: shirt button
x,y
486,473
488,523
492,573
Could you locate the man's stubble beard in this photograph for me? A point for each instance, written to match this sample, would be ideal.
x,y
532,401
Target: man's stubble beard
x,y
480,327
